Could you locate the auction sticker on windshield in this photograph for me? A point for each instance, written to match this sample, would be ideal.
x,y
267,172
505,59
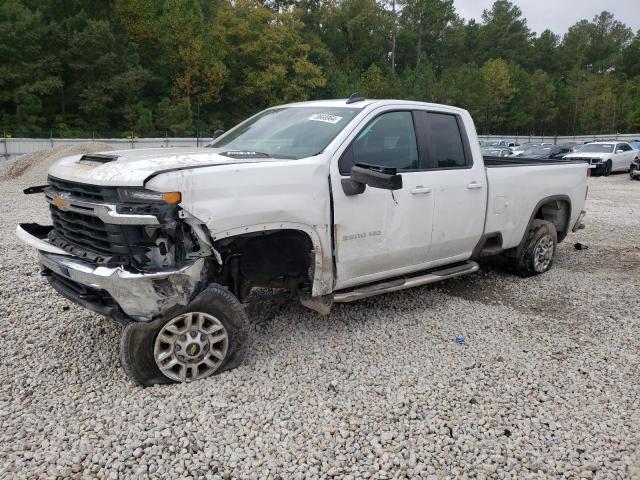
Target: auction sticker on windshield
x,y
325,117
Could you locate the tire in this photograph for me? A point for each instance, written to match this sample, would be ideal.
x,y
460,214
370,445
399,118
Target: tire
x,y
607,168
216,332
540,234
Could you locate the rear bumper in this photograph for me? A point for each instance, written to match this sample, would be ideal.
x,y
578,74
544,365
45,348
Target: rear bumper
x,y
115,292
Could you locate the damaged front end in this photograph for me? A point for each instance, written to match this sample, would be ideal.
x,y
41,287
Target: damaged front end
x,y
126,253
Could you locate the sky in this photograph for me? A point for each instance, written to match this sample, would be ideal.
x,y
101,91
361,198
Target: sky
x,y
558,15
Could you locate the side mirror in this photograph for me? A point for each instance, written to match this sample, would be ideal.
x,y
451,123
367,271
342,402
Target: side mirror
x,y
363,174
217,133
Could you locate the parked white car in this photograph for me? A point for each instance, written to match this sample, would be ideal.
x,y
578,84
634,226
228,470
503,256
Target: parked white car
x,y
606,157
335,200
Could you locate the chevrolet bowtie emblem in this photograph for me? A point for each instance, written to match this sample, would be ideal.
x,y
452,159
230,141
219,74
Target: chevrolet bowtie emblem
x,y
61,200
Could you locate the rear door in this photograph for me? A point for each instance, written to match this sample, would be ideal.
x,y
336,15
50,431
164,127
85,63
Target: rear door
x,y
379,233
459,185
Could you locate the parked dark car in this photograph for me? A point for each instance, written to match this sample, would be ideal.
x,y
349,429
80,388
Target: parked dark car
x,y
572,146
547,151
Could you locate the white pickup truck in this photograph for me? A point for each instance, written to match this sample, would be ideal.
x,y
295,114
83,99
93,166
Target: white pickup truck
x,y
335,200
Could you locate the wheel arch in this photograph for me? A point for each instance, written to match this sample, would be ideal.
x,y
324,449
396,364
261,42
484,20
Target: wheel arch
x,y
321,257
555,209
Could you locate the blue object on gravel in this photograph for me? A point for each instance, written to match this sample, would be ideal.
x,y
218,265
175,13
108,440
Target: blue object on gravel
x,y
459,340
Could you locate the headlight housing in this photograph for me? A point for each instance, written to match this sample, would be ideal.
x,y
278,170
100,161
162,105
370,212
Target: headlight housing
x,y
141,195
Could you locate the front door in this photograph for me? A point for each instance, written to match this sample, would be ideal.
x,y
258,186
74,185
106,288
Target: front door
x,y
382,232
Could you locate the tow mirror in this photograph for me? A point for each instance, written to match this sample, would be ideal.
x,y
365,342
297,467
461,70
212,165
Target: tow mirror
x,y
363,174
217,133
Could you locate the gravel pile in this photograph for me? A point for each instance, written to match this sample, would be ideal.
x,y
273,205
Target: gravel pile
x,y
546,383
33,167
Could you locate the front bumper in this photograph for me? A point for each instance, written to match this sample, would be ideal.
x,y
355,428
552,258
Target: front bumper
x,y
115,292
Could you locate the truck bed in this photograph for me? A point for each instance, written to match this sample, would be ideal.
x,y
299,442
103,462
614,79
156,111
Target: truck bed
x,y
494,162
515,193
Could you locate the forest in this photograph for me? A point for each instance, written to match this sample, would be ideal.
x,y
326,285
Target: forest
x,y
119,68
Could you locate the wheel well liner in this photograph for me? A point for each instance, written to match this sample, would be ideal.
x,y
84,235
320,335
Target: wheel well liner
x,y
270,258
555,209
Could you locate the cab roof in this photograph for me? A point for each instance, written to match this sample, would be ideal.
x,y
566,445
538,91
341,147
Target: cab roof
x,y
342,103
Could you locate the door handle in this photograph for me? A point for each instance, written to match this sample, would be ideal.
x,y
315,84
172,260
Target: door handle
x,y
474,185
420,190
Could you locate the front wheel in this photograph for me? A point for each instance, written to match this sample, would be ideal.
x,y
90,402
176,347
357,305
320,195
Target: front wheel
x,y
535,254
192,342
607,168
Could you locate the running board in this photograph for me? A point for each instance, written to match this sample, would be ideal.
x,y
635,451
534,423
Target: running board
x,y
405,282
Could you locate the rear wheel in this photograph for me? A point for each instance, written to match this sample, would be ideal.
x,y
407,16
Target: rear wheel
x,y
535,255
189,343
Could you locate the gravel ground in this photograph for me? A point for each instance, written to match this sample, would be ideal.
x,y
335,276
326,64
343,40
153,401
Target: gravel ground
x,y
546,384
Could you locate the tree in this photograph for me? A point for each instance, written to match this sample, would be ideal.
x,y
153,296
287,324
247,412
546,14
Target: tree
x,y
422,25
266,59
544,55
188,66
28,73
175,117
357,33
609,37
504,33
497,92
629,61
543,101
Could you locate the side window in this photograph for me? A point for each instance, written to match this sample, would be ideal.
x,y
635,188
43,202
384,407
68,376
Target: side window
x,y
389,140
624,146
446,149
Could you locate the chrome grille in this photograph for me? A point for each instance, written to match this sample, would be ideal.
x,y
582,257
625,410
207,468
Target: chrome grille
x,y
83,191
87,236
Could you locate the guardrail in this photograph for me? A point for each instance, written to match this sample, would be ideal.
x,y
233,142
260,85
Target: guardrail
x,y
623,137
13,147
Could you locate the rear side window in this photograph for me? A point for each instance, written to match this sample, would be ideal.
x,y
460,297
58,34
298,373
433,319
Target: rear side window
x,y
444,141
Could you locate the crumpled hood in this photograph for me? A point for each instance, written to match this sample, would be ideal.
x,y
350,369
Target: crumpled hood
x,y
132,167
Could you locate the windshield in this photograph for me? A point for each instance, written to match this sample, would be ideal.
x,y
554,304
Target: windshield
x,y
597,148
288,132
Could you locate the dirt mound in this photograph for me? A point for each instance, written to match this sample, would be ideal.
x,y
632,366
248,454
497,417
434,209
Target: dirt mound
x,y
33,167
